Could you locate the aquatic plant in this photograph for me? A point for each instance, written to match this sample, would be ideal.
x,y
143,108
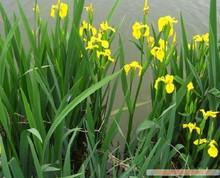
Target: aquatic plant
x,y
58,89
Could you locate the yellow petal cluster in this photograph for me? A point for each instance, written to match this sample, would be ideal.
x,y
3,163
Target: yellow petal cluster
x,y
61,8
201,38
159,51
212,150
200,141
139,29
167,21
168,81
104,26
192,126
85,26
133,65
105,53
207,114
96,42
190,86
101,46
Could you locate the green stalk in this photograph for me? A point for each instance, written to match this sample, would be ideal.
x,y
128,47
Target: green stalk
x,y
131,113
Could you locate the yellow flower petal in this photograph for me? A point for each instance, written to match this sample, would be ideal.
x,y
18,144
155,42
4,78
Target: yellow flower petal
x,y
200,141
213,151
63,10
170,88
105,44
162,44
169,79
150,41
206,37
147,30
158,53
192,126
165,21
133,65
53,10
201,38
136,30
105,26
127,68
190,86
207,114
160,79
198,130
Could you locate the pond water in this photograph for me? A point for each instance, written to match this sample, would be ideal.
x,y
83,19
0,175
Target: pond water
x,y
195,13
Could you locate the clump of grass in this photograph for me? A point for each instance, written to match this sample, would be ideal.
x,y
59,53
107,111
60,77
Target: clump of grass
x,y
57,92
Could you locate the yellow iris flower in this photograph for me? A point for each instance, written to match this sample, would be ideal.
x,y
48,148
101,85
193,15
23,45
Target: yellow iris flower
x,y
168,81
105,53
212,150
159,51
166,20
86,26
104,26
207,114
200,141
191,127
133,65
95,42
62,9
201,38
137,29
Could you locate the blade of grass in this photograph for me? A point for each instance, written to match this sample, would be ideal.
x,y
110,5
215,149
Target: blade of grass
x,y
16,170
61,116
35,158
5,167
112,11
